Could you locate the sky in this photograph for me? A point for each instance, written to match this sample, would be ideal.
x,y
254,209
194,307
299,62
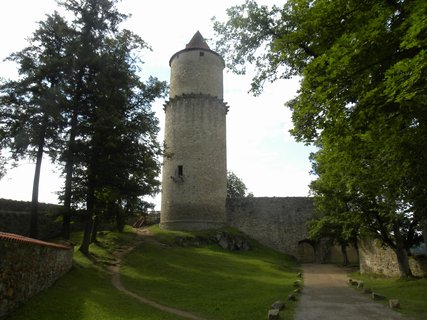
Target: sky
x,y
260,149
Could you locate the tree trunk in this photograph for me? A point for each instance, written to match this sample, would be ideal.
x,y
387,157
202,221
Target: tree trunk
x,y
424,228
90,206
344,254
120,224
356,246
69,177
93,237
401,254
87,235
34,216
66,218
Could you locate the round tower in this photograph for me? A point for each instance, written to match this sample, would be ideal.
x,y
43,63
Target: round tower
x,y
194,182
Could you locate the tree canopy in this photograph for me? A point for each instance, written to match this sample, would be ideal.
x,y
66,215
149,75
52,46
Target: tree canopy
x,y
236,188
80,99
361,101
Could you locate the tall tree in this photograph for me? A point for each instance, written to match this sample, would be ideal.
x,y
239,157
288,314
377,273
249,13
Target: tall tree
x,y
115,128
81,99
333,219
362,97
31,106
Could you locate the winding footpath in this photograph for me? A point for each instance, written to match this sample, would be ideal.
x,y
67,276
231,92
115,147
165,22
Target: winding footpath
x,y
116,281
326,295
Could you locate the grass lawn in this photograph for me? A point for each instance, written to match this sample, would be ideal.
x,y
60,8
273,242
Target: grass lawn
x,y
411,293
86,292
208,280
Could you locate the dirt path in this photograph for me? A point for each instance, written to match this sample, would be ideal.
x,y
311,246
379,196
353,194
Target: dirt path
x,y
116,281
326,295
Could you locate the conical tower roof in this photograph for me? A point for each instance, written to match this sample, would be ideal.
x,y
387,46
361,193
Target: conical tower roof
x,y
197,42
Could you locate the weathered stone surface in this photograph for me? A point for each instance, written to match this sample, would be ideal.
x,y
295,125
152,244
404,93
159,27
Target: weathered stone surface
x,y
192,241
279,223
15,218
394,303
273,314
28,268
297,283
375,258
292,297
194,178
232,242
297,290
279,305
377,296
225,240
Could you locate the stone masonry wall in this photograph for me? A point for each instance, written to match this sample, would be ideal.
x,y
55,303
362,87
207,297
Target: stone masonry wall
x,y
376,259
279,223
28,266
15,218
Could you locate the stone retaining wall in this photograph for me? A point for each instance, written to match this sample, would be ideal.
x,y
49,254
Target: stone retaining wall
x,y
279,223
379,260
28,266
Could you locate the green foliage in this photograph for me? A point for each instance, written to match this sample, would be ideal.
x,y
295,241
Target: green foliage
x,y
236,188
362,102
206,280
410,293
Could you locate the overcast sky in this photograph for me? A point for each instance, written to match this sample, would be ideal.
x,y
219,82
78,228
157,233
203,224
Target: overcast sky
x,y
260,149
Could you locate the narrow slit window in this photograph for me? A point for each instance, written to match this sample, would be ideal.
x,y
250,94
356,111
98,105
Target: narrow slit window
x,y
180,171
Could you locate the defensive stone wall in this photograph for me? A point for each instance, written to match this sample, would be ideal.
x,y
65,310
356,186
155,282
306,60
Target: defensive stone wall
x,y
15,218
28,266
377,259
279,223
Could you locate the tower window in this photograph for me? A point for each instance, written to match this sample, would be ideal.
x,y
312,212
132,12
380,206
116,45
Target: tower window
x,y
201,53
180,171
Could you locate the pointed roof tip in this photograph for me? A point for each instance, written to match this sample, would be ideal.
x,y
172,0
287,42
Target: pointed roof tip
x,y
197,42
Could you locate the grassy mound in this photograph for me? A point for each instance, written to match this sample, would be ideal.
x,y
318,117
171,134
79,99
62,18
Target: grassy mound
x,y
208,280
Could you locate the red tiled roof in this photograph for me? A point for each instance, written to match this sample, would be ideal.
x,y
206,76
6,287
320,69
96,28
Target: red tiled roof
x,y
4,236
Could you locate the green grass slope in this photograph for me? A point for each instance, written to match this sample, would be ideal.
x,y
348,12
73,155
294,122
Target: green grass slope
x,y
86,292
207,280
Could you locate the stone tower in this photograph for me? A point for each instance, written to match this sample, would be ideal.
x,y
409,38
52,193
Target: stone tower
x,y
194,182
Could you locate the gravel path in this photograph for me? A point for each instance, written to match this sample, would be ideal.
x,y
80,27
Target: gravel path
x,y
326,295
